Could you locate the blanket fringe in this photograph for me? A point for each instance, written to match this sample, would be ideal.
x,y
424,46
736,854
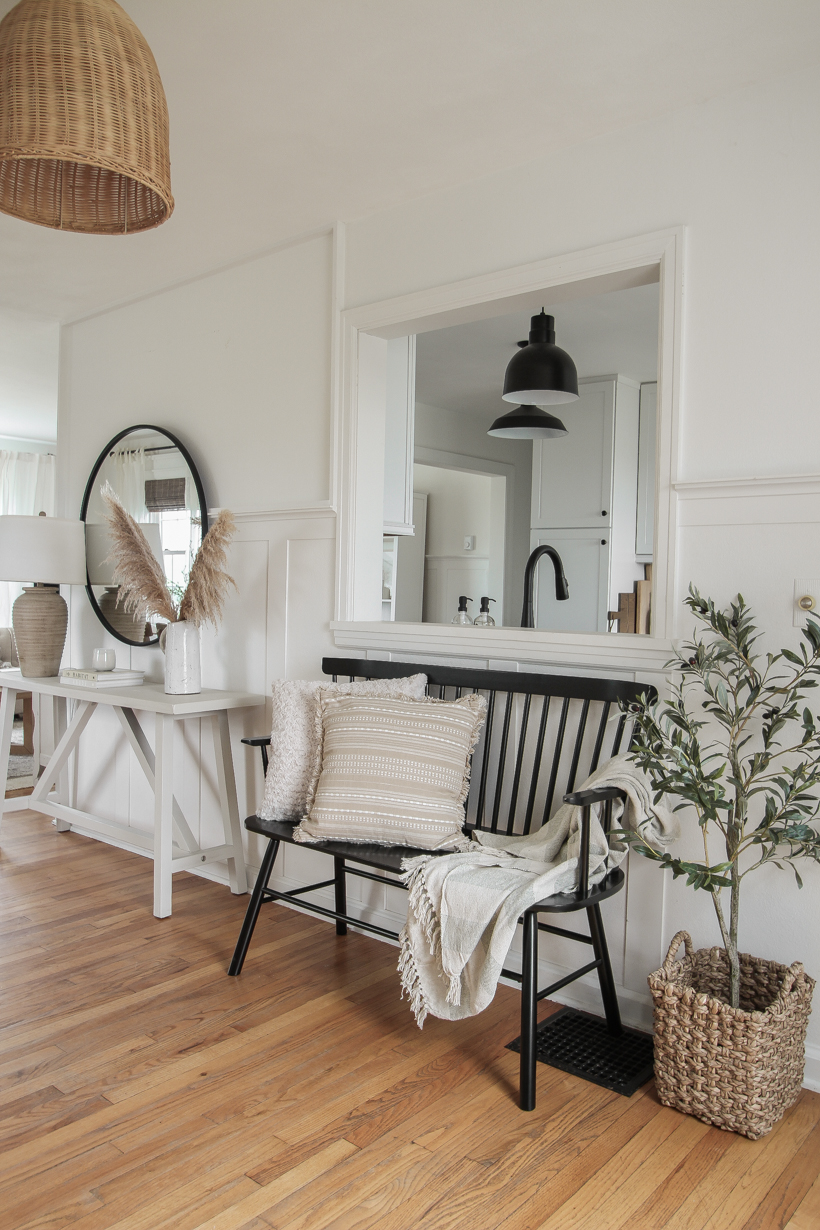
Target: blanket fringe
x,y
423,907
411,982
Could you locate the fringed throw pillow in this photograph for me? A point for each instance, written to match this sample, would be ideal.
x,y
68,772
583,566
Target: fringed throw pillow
x,y
296,739
394,772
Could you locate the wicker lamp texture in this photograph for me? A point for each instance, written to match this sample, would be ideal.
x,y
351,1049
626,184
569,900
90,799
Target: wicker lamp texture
x,y
83,120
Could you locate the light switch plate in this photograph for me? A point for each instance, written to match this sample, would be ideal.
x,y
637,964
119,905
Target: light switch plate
x,y
469,542
803,587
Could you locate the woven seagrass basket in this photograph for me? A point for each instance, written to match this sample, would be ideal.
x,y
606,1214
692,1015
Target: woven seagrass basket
x,y
739,1069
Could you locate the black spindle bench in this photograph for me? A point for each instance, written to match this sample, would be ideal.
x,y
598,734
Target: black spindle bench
x,y
543,734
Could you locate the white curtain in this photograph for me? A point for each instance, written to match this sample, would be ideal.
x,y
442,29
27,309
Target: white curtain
x,y
27,488
129,482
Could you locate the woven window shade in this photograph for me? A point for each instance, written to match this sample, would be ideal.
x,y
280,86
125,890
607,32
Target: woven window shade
x,y
83,120
164,494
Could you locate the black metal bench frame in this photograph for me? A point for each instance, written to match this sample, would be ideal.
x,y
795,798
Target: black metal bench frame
x,y
488,807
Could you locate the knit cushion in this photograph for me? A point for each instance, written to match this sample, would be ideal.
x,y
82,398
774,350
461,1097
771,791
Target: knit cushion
x,y
394,772
296,736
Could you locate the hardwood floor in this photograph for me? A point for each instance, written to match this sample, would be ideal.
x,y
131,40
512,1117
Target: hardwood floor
x,y
141,1088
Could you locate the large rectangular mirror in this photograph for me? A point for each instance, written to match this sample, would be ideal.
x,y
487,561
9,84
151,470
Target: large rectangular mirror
x,y
464,511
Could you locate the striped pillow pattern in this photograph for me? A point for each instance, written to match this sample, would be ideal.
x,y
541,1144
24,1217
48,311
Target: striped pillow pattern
x,y
394,772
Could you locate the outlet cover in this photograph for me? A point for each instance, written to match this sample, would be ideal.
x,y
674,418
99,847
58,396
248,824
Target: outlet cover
x,y
805,587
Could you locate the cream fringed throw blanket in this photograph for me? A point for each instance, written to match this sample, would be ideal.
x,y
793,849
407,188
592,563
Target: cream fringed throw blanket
x,y
463,908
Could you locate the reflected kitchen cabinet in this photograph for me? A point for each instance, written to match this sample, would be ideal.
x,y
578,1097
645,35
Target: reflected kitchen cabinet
x,y
585,504
585,555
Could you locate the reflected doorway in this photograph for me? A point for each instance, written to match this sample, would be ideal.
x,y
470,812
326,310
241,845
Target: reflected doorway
x,y
461,550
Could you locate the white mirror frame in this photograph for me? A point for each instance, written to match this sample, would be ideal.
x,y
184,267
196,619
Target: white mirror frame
x,y
359,453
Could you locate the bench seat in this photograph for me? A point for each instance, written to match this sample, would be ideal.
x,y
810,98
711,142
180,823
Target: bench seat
x,y
389,858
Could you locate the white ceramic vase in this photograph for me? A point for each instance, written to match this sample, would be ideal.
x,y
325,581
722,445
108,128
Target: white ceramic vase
x,y
183,672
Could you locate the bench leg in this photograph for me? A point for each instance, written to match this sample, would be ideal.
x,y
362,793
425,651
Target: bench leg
x,y
529,1014
608,994
341,894
252,912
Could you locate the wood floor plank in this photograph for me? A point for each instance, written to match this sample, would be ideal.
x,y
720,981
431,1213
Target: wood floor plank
x,y
610,1199
574,1158
667,1196
807,1214
143,1089
286,1184
733,1188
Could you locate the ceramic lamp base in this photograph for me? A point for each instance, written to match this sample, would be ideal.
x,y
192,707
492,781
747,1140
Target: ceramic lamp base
x,y
129,625
40,621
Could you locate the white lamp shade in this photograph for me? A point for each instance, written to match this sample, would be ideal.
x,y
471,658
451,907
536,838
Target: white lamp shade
x,y
98,549
50,550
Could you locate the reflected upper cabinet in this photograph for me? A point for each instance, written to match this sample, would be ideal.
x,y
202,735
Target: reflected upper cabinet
x,y
572,474
156,480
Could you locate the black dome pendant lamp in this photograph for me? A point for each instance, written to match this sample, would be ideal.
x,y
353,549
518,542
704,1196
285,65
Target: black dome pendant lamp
x,y
527,423
541,374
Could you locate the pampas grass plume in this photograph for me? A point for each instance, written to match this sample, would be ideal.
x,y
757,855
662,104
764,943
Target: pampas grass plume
x,y
139,574
208,584
137,570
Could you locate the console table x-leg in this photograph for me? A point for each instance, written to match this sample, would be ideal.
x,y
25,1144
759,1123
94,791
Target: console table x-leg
x,y
173,845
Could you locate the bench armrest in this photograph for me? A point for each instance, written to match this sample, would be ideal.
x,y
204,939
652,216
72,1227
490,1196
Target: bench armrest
x,y
598,794
263,743
585,799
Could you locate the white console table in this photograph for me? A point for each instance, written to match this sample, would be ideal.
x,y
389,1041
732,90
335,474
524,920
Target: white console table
x,y
173,846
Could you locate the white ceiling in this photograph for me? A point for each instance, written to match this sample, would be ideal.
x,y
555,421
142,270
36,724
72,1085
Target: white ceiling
x,y
462,368
289,114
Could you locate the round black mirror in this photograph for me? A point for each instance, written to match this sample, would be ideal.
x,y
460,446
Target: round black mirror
x,y
155,478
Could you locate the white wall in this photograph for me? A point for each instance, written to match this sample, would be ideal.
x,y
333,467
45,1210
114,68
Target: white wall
x,y
742,173
458,504
238,365
29,362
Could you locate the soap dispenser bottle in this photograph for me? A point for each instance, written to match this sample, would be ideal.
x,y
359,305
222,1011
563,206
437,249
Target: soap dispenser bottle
x,y
461,617
484,619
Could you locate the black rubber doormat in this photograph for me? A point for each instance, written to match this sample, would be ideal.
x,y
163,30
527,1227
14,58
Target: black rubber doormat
x,y
580,1044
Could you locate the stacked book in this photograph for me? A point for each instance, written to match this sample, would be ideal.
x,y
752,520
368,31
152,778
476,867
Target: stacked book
x,y
81,678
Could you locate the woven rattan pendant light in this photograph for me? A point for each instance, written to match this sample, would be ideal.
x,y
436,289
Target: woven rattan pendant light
x,y
83,120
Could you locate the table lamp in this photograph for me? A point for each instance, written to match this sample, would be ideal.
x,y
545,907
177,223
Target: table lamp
x,y
99,544
50,552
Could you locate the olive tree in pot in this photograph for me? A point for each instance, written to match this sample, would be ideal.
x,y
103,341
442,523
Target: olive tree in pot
x,y
737,745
